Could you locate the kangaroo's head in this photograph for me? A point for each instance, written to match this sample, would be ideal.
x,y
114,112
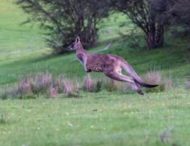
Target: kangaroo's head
x,y
76,45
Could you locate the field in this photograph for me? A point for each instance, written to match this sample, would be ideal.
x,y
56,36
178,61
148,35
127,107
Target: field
x,y
104,118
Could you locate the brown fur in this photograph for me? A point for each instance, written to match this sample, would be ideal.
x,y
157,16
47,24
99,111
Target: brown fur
x,y
110,65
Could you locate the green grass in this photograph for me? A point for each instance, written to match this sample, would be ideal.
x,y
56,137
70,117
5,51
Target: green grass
x,y
94,119
104,119
17,41
171,61
23,51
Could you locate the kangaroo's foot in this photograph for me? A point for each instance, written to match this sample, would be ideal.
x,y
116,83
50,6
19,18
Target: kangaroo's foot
x,y
140,92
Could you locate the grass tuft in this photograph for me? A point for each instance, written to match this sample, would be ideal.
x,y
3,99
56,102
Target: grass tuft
x,y
71,88
24,88
89,84
112,85
3,118
156,78
41,83
187,84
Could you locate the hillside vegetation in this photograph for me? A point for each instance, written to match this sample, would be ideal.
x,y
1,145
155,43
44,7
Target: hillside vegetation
x,y
172,60
24,52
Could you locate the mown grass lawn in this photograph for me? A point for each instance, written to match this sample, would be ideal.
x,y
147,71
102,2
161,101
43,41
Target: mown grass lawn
x,y
104,119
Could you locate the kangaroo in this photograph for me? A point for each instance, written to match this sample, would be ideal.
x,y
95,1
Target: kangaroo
x,y
111,65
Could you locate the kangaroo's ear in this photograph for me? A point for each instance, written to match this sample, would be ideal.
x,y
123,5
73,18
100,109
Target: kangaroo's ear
x,y
77,39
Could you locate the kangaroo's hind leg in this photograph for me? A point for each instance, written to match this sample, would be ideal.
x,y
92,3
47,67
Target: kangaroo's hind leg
x,y
124,78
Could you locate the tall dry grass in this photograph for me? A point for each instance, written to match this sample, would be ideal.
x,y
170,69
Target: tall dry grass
x,y
89,84
155,77
46,84
41,84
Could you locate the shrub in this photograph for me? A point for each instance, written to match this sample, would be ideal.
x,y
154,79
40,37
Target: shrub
x,y
64,19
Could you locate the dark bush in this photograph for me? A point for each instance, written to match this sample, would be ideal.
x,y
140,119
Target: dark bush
x,y
63,20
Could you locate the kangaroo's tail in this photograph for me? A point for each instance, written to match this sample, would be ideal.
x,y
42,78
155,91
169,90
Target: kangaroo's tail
x,y
145,84
137,79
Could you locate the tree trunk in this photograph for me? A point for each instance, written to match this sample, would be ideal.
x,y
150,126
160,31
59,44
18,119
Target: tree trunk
x,y
151,36
159,36
155,36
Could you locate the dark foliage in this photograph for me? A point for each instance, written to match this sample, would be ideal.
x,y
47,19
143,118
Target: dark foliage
x,y
179,13
147,15
66,19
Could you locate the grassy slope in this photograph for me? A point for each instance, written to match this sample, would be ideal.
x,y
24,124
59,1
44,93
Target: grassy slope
x,y
16,38
171,61
23,51
95,119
